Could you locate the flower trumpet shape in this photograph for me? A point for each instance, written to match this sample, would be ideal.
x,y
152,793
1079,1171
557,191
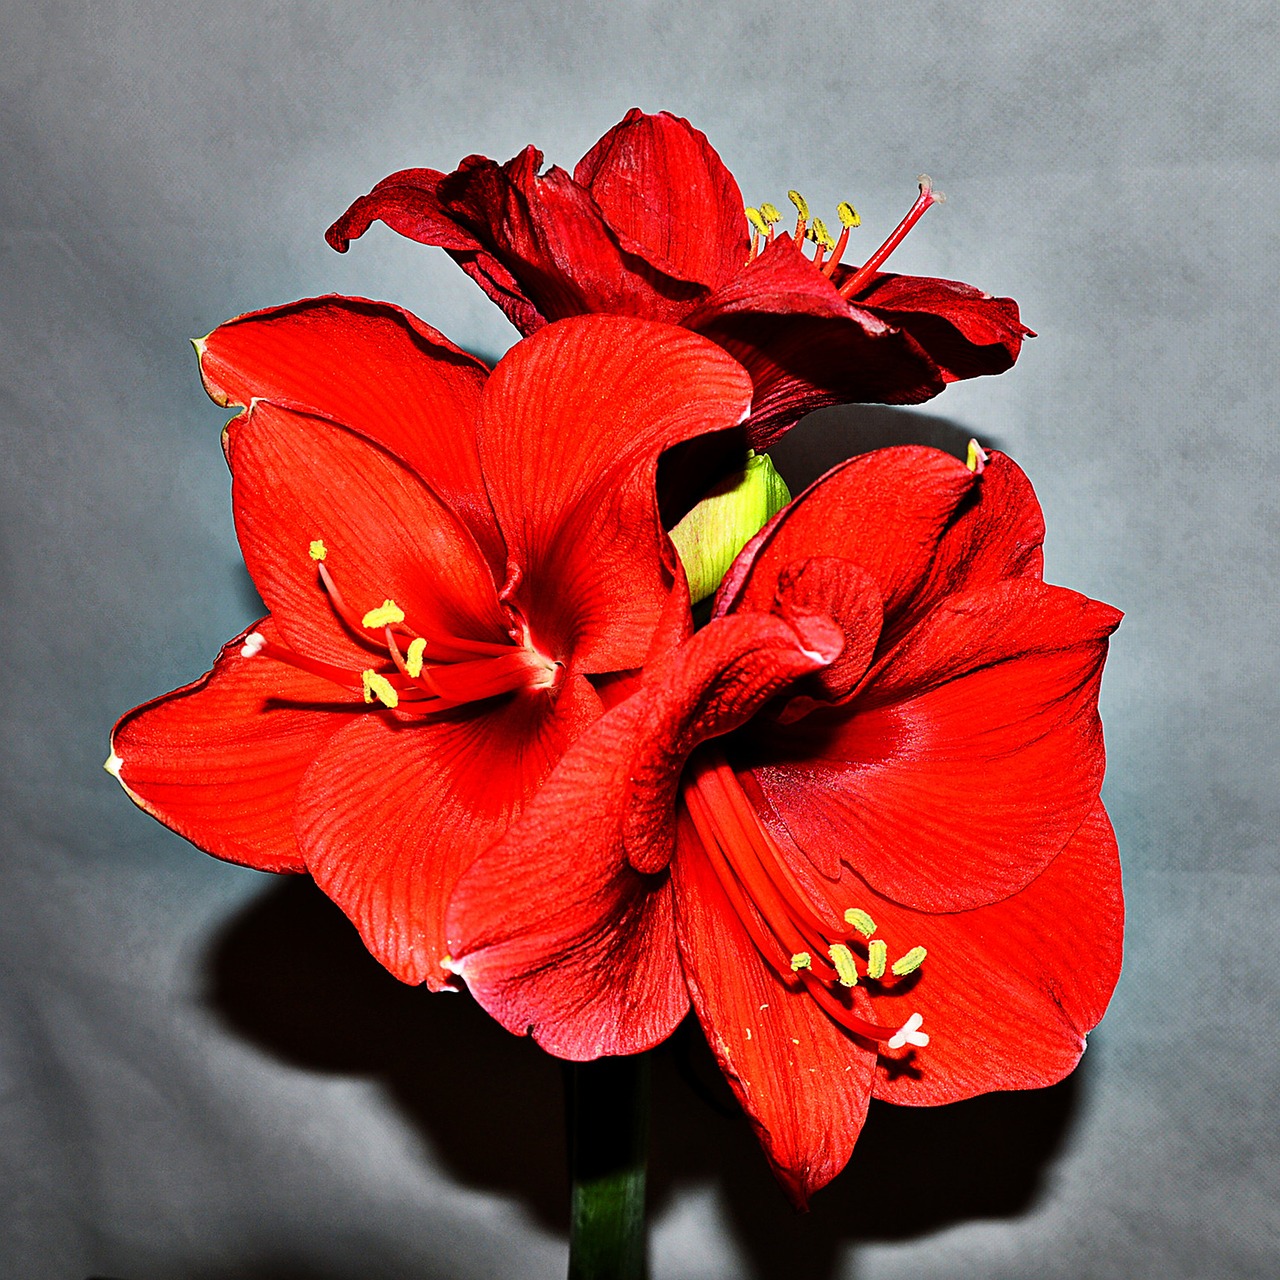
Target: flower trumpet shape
x,y
651,223
448,558
854,820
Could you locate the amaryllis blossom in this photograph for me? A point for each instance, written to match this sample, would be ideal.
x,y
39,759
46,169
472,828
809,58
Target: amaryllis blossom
x,y
854,821
449,557
651,223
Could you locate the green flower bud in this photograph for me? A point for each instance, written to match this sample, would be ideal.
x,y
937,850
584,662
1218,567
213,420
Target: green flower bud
x,y
713,533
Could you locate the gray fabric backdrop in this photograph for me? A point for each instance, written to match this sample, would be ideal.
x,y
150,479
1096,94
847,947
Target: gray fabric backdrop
x,y
203,1075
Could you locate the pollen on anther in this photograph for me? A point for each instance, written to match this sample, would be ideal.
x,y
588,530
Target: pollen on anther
x,y
842,958
757,221
318,550
770,213
848,215
379,687
801,960
858,919
254,643
820,235
413,659
801,204
910,962
877,953
387,614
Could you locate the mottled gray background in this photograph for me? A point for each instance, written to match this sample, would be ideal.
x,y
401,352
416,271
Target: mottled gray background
x,y
202,1074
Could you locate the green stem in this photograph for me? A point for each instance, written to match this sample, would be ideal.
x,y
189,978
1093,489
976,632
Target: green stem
x,y
608,1143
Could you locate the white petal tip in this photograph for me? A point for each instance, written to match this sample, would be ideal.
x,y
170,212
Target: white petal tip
x,y
112,764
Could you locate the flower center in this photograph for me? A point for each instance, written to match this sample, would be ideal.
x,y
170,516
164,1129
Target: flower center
x,y
806,950
828,252
420,671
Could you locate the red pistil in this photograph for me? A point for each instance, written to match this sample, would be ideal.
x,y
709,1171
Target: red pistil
x,y
864,273
765,894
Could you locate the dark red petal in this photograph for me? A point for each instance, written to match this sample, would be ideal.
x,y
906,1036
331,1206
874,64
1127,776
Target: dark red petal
x,y
966,332
550,235
408,202
219,761
667,194
393,812
967,759
803,1081
555,933
372,368
806,347
1008,991
573,421
296,479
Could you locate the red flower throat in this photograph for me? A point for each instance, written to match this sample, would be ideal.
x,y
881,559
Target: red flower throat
x,y
424,671
805,951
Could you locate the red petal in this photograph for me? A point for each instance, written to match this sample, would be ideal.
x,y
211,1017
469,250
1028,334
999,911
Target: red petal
x,y
296,479
409,202
370,367
554,931
219,761
803,1081
1008,991
967,759
393,812
664,190
966,332
573,421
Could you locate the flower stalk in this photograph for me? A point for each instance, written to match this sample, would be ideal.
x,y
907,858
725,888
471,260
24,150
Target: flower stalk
x,y
608,1113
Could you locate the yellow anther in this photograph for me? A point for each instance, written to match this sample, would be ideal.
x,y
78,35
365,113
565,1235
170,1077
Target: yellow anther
x,y
876,953
842,958
769,212
318,550
801,960
379,687
910,962
757,222
818,232
848,215
859,920
413,659
801,204
387,614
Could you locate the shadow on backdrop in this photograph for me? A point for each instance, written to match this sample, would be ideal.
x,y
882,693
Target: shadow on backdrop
x,y
291,975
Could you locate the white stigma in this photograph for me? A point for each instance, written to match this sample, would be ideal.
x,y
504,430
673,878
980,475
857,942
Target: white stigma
x,y
254,643
910,1033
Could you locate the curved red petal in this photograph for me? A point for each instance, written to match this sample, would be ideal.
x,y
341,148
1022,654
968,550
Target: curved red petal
x,y
373,368
1007,991
219,761
573,422
393,812
967,333
555,932
967,758
665,192
298,479
803,1081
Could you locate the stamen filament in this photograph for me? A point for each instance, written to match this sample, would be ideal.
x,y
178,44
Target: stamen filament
x,y
864,273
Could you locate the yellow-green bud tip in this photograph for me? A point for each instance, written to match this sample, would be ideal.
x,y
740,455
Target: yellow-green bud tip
x,y
976,458
712,534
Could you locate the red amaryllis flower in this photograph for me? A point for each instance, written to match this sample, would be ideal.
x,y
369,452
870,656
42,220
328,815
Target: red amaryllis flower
x,y
854,820
448,557
651,223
